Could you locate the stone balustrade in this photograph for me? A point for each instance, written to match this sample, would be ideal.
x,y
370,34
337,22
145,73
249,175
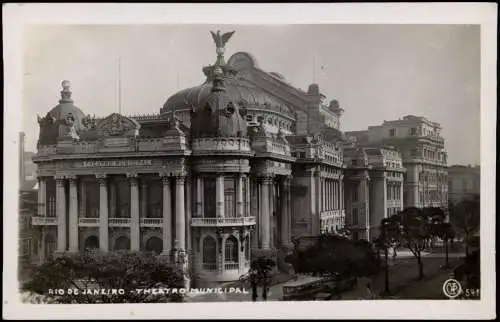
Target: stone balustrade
x,y
88,222
119,222
151,222
43,221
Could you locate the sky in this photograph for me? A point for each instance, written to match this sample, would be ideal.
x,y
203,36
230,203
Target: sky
x,y
376,72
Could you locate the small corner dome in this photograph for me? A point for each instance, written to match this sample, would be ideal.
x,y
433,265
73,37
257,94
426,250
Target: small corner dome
x,y
66,106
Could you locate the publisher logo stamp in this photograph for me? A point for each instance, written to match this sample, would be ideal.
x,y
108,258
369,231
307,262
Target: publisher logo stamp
x,y
452,288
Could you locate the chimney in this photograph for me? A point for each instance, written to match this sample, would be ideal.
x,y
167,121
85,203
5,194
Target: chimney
x,y
22,175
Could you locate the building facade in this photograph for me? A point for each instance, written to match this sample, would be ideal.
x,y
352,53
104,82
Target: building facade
x,y
374,187
241,163
424,157
463,182
28,234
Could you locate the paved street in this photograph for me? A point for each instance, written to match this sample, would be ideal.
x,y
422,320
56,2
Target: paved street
x,y
402,279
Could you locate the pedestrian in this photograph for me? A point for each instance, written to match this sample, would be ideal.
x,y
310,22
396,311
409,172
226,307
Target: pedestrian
x,y
369,291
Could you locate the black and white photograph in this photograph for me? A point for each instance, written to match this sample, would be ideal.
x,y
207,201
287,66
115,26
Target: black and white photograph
x,y
324,169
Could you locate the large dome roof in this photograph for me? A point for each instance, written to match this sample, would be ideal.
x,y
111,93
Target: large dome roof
x,y
239,90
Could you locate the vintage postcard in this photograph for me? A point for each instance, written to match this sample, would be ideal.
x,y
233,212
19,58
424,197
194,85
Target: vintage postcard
x,y
249,161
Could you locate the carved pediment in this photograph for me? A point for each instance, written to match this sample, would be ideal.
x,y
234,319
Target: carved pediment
x,y
118,125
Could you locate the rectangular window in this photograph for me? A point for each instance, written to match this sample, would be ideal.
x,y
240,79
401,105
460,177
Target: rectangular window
x,y
355,195
355,216
413,131
209,197
392,132
229,202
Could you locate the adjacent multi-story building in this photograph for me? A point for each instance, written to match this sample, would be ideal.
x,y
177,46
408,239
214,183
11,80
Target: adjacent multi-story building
x,y
28,234
242,162
373,187
463,182
424,157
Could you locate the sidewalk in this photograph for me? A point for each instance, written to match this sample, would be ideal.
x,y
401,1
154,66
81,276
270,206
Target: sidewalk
x,y
400,277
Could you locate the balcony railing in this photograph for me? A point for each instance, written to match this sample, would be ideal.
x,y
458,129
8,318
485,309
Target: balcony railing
x,y
237,221
228,266
88,222
332,214
42,221
209,266
151,222
119,222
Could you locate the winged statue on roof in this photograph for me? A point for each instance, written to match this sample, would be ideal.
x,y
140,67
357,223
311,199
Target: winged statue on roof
x,y
220,43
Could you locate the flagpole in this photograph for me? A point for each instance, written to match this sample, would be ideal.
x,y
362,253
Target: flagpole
x,y
119,86
314,69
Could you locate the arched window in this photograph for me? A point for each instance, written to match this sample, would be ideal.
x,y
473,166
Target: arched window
x,y
231,253
122,243
92,242
209,253
154,244
50,245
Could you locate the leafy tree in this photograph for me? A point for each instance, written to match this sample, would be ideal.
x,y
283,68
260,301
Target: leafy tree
x,y
127,271
332,255
444,230
388,232
259,275
412,228
465,218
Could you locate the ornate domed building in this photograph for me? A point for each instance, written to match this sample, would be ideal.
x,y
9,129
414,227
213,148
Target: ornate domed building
x,y
241,163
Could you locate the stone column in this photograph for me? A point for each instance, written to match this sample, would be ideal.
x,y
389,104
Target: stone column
x,y
256,205
61,214
364,195
144,198
330,194
337,195
265,216
135,243
401,191
167,217
42,196
334,195
312,203
239,195
341,192
316,227
323,193
82,199
341,200
286,226
73,215
41,247
247,199
112,199
199,196
103,214
219,196
188,213
180,216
